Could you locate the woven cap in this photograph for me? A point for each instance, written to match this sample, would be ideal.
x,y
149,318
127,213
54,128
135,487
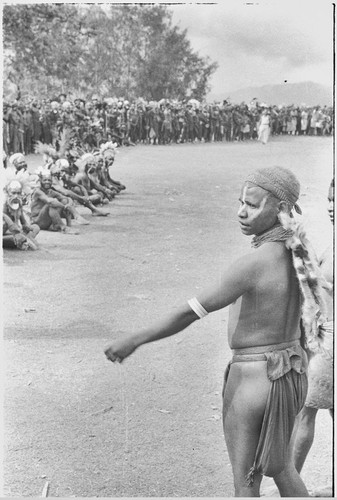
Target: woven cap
x,y
280,182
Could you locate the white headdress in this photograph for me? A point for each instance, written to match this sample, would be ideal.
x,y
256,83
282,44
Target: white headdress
x,y
62,163
108,146
15,157
27,181
82,162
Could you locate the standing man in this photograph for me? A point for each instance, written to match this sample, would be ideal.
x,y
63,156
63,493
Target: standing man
x,y
320,371
264,127
28,129
266,382
304,121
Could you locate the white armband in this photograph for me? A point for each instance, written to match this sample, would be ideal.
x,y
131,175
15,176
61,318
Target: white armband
x,y
197,307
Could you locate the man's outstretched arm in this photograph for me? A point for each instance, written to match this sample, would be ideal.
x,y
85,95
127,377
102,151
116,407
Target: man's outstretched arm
x,y
172,324
234,283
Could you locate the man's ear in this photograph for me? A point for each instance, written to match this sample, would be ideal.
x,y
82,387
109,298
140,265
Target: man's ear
x,y
285,209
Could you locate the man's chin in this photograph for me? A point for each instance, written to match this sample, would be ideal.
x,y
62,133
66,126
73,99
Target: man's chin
x,y
246,230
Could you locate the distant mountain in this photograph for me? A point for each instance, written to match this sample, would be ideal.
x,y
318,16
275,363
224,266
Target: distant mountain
x,y
308,93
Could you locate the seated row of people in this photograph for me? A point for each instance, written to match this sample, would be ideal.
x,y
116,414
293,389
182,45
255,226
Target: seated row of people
x,y
47,198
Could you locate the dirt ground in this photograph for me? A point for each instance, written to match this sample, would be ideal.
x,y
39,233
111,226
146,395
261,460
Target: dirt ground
x,y
151,427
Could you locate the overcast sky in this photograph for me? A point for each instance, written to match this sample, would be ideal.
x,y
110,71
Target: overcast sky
x,y
263,42
256,42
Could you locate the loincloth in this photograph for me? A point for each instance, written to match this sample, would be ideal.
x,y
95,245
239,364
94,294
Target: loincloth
x,y
286,369
320,369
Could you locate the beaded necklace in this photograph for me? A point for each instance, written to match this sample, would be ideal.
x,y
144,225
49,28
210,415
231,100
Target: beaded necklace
x,y
276,233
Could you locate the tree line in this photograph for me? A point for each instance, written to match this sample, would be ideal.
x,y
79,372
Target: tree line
x,y
113,50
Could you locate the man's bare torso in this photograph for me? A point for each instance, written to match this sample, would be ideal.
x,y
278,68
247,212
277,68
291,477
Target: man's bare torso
x,y
326,265
269,311
83,180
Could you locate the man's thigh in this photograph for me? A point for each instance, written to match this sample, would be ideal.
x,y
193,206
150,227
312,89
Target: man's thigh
x,y
245,398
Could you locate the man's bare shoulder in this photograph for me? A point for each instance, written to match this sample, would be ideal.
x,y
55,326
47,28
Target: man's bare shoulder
x,y
271,251
248,266
260,259
38,191
79,176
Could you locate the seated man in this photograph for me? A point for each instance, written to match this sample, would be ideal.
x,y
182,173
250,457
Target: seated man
x,y
49,207
85,177
95,176
73,190
101,175
17,230
108,152
57,185
19,170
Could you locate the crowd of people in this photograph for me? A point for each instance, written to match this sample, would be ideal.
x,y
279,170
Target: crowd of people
x,y
97,120
48,198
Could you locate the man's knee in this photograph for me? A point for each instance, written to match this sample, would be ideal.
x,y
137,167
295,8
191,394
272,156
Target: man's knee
x,y
243,489
47,217
55,215
34,230
52,211
307,416
288,471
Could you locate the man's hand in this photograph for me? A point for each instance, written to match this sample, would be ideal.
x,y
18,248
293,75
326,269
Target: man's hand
x,y
21,241
120,350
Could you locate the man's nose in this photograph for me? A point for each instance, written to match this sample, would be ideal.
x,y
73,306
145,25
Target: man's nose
x,y
242,212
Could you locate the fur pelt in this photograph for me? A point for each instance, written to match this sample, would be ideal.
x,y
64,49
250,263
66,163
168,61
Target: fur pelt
x,y
311,280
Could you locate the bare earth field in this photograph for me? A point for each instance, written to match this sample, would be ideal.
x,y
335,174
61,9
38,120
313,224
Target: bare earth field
x,y
151,427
